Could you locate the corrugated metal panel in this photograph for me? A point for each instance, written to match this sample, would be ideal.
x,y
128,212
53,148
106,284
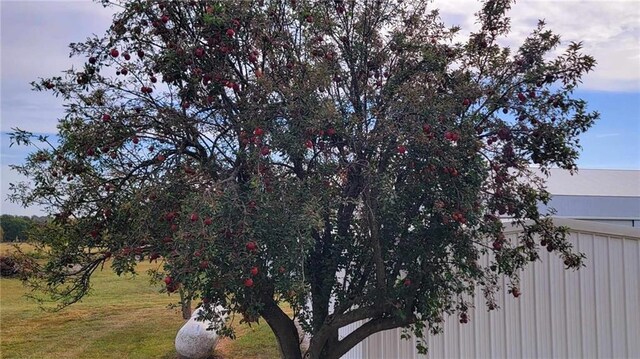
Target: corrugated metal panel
x,y
616,222
355,352
590,313
591,182
594,207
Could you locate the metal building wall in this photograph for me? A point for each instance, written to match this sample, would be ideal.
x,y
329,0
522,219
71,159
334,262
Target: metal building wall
x,y
356,352
590,313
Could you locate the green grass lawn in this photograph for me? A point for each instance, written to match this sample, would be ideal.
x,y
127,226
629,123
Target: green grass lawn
x,y
124,317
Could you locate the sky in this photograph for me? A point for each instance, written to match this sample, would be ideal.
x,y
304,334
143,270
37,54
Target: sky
x,y
34,38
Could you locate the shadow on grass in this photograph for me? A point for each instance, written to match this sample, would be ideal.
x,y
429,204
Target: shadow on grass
x,y
173,355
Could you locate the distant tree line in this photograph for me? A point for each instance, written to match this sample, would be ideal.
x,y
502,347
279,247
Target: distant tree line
x,y
16,228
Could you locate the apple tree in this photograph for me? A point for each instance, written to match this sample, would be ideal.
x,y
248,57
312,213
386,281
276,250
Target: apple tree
x,y
352,160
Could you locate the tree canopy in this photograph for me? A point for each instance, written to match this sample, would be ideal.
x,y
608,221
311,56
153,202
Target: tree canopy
x,y
16,228
352,159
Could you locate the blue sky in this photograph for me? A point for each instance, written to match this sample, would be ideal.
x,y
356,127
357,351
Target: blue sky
x,y
35,36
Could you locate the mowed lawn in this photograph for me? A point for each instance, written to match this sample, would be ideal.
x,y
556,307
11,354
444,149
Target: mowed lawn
x,y
124,317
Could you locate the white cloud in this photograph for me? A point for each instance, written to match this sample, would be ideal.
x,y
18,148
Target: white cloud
x,y
604,135
36,34
8,176
610,31
35,39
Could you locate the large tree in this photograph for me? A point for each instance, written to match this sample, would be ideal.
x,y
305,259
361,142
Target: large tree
x,y
352,159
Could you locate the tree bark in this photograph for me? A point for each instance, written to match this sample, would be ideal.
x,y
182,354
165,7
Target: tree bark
x,y
186,309
364,331
185,306
285,330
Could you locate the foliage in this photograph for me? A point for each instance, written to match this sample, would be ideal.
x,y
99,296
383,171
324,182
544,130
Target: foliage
x,y
16,228
302,151
8,266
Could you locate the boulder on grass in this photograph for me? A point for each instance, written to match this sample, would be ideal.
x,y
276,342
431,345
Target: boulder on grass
x,y
193,340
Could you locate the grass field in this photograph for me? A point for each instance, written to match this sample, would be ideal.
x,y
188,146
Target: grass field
x,y
124,317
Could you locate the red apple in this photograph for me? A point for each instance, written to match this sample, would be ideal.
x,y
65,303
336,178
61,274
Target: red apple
x,y
106,117
459,217
194,217
258,131
265,150
402,149
199,52
254,271
451,136
92,60
140,53
407,282
207,221
164,19
172,287
126,56
466,102
170,216
308,144
522,97
248,282
168,280
135,140
114,52
251,246
230,32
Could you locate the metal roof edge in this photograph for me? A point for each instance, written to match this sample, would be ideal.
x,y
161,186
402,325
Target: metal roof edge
x,y
586,226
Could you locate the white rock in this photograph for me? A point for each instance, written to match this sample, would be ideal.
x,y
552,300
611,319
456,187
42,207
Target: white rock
x,y
193,340
72,268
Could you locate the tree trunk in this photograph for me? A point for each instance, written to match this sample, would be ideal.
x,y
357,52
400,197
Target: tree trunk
x,y
185,306
285,330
